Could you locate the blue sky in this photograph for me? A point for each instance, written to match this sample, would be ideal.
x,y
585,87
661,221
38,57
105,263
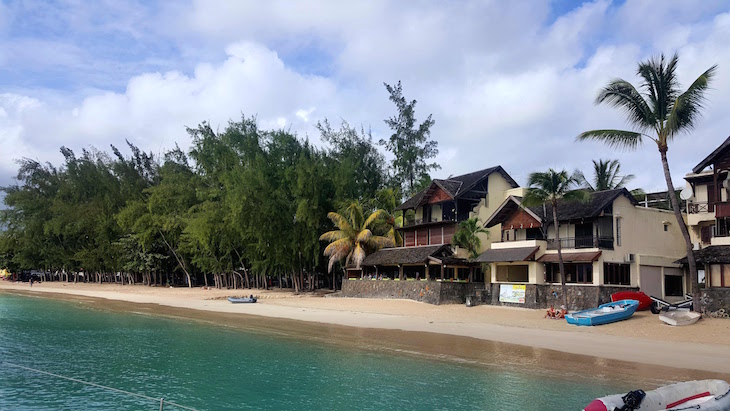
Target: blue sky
x,y
509,83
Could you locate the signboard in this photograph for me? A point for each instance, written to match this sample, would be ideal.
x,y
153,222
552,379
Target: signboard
x,y
512,293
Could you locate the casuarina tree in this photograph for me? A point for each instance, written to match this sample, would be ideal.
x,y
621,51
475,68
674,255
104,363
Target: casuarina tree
x,y
409,144
658,111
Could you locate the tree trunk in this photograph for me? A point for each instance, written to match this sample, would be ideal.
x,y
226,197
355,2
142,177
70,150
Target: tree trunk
x,y
560,254
685,233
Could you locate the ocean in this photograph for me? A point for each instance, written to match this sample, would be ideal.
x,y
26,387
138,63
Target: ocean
x,y
209,367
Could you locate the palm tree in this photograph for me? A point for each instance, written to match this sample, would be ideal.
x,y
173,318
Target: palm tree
x,y
663,111
549,188
466,236
353,239
606,176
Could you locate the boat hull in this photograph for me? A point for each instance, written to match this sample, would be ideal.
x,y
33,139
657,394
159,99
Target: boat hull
x,y
604,314
643,299
245,300
680,317
707,395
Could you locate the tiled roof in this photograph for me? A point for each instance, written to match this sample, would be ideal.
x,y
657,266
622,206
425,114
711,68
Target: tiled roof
x,y
715,254
507,255
458,185
709,160
570,257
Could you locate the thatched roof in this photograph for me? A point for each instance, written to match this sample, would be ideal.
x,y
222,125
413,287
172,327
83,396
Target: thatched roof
x,y
407,255
458,185
715,254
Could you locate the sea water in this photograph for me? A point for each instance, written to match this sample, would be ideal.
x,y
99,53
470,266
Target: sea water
x,y
208,367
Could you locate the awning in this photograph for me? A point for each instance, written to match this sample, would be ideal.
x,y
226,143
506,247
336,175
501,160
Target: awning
x,y
570,257
507,255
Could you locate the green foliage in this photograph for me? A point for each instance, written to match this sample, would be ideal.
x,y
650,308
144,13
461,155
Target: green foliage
x,y
606,176
409,144
467,236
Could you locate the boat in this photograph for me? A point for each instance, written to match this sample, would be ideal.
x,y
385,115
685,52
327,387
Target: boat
x,y
661,305
242,300
705,395
643,299
680,317
604,314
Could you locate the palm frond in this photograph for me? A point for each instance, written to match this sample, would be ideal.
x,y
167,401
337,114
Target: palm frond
x,y
687,107
358,254
333,236
339,221
364,236
620,139
374,216
622,94
338,246
377,242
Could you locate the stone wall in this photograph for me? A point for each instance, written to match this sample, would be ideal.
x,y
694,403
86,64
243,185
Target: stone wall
x,y
544,295
714,300
432,292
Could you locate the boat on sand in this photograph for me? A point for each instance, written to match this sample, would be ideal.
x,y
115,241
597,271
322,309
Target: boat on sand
x,y
680,317
604,314
242,300
643,299
695,395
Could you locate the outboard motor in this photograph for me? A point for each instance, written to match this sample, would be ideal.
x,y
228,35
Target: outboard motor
x,y
632,400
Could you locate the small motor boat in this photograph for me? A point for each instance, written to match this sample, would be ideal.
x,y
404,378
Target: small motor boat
x,y
242,300
604,314
643,299
708,395
680,317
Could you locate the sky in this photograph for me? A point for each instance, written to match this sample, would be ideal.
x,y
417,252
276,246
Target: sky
x,y
509,83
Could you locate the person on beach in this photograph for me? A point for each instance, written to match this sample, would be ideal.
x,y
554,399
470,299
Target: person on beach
x,y
31,281
551,312
561,313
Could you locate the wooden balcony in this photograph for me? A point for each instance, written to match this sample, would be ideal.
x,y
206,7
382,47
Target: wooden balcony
x,y
722,210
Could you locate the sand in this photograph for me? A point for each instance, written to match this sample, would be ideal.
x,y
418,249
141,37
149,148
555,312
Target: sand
x,y
702,349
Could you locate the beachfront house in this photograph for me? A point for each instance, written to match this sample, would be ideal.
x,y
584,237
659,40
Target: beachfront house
x,y
609,242
708,220
432,217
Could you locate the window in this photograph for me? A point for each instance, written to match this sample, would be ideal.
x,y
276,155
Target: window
x,y
616,274
574,273
533,234
513,273
666,227
618,231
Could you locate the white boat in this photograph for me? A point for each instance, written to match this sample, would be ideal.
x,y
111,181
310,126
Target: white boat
x,y
680,317
708,395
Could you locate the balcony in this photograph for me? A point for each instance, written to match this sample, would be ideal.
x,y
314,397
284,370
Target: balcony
x,y
420,221
697,207
605,243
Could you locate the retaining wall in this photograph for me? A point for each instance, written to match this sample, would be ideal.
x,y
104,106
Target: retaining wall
x,y
432,292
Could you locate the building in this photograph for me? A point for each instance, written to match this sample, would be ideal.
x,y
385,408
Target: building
x,y
708,217
608,242
431,218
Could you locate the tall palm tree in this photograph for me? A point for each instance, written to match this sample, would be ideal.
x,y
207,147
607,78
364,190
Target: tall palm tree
x,y
466,236
550,187
606,176
353,239
662,110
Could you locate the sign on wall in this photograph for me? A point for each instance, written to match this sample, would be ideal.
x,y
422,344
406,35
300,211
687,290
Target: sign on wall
x,y
512,293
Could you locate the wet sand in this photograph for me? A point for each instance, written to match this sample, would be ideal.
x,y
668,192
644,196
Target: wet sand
x,y
642,347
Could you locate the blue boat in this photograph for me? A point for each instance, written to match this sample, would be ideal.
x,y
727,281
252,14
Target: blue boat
x,y
604,314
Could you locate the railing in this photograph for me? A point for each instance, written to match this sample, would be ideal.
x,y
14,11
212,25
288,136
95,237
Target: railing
x,y
581,242
419,221
696,207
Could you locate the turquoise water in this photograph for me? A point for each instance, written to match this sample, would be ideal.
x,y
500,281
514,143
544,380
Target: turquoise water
x,y
213,368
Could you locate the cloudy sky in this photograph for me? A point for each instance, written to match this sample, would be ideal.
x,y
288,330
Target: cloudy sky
x,y
508,82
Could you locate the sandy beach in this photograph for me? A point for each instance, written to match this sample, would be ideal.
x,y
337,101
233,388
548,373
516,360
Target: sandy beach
x,y
701,350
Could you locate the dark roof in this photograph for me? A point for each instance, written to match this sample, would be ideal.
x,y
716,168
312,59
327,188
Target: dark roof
x,y
457,185
715,254
570,257
507,255
407,255
709,160
567,210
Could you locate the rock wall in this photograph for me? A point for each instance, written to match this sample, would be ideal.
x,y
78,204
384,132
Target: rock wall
x,y
432,292
543,295
716,302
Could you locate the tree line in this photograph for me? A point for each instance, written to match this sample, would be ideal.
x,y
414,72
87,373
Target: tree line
x,y
243,207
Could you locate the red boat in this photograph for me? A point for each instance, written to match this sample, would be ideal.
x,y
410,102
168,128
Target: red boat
x,y
643,299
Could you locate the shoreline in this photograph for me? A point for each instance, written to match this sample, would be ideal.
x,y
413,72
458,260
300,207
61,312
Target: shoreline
x,y
641,344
